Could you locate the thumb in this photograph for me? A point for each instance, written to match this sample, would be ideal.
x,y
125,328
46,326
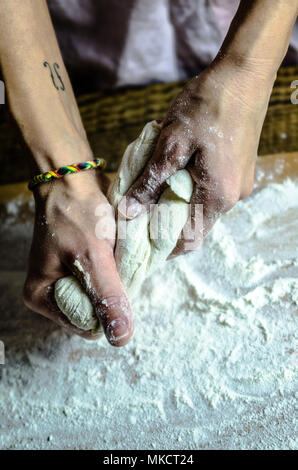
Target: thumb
x,y
101,281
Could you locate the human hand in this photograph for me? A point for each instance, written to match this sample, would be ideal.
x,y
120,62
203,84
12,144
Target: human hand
x,y
212,129
67,231
45,111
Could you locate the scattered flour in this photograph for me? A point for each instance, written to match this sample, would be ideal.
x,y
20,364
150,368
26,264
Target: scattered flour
x,y
212,363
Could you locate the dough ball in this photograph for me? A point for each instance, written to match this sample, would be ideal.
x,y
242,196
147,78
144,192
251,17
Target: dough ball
x,y
73,301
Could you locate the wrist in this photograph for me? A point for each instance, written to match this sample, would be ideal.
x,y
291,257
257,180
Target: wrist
x,y
234,89
58,153
78,185
82,182
258,37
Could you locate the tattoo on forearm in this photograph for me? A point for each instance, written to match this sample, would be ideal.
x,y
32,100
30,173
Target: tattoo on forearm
x,y
55,75
56,67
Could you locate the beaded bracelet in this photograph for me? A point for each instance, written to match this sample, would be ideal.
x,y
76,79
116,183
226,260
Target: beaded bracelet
x,y
66,170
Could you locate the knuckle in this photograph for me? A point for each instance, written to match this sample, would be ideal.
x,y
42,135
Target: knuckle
x,y
146,190
111,305
113,299
174,141
175,149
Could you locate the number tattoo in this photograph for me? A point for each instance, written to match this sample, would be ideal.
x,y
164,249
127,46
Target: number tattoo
x,y
58,76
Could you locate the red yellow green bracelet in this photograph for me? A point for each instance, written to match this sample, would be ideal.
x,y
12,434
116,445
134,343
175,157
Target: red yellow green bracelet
x,y
66,170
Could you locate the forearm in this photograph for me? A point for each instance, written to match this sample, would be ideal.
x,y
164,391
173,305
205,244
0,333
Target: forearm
x,y
39,92
259,35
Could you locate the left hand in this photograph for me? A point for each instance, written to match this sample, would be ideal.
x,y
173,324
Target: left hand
x,y
74,233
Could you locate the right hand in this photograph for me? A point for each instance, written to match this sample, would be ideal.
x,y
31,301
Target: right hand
x,y
68,230
212,129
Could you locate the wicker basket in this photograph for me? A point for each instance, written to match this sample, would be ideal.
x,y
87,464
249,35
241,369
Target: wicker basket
x,y
113,119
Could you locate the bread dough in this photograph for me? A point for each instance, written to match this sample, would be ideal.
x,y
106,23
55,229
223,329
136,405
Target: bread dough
x,y
71,298
150,238
138,254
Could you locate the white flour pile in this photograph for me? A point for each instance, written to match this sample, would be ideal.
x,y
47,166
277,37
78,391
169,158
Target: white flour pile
x,y
212,364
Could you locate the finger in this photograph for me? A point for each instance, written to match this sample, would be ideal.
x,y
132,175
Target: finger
x,y
211,198
171,154
203,214
193,231
98,275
